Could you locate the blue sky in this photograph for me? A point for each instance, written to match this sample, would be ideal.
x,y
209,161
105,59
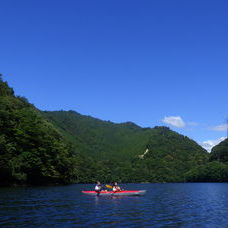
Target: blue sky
x,y
151,62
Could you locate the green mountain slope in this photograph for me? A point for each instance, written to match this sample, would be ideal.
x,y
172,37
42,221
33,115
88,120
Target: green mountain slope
x,y
31,149
67,147
168,155
216,170
100,139
220,152
106,140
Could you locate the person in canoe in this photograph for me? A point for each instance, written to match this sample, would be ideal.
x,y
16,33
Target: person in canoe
x,y
116,187
98,188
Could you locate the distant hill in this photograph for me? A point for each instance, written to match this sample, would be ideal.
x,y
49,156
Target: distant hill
x,y
216,170
220,152
100,139
66,147
107,140
151,154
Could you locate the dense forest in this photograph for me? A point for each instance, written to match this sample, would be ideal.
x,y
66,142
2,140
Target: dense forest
x,y
121,148
216,169
32,151
62,147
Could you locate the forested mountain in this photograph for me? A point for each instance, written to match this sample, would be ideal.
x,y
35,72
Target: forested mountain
x,y
220,152
31,149
168,154
67,147
100,139
216,170
107,140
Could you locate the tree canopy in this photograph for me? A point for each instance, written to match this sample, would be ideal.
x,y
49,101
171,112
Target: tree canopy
x,y
66,147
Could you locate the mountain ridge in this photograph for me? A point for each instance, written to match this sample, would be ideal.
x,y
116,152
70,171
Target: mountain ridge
x,y
49,147
106,132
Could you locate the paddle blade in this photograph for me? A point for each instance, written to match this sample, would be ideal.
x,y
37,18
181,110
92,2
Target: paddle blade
x,y
108,186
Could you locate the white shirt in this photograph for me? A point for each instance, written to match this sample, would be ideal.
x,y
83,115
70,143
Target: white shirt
x,y
97,187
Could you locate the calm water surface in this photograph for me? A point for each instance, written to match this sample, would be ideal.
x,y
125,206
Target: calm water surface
x,y
174,205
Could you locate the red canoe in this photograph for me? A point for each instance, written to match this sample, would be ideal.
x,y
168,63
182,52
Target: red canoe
x,y
120,193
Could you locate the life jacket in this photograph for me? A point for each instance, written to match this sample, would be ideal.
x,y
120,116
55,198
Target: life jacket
x,y
116,188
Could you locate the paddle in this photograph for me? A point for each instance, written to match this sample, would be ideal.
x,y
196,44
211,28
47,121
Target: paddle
x,y
108,186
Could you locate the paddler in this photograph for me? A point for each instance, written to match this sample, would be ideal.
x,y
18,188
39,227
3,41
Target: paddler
x,y
98,188
115,187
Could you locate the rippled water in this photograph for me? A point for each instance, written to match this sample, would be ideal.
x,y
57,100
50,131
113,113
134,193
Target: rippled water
x,y
175,205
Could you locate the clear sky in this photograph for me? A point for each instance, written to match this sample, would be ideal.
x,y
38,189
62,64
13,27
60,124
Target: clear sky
x,y
162,62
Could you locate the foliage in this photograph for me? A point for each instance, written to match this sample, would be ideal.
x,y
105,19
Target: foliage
x,y
31,149
211,172
66,147
5,90
104,139
220,152
118,146
216,170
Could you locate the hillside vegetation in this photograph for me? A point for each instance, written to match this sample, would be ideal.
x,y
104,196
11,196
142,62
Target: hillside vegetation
x,y
220,152
216,170
100,139
119,146
31,149
66,147
104,139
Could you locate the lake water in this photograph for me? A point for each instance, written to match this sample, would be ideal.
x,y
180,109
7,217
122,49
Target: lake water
x,y
174,205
